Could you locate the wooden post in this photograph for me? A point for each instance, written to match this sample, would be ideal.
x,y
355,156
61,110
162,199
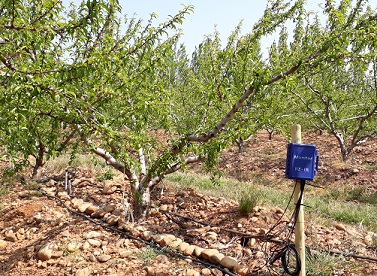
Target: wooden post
x,y
299,228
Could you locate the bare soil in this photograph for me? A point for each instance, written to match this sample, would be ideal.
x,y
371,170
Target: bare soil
x,y
30,220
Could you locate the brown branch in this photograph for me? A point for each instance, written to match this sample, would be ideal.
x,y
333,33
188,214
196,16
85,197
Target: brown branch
x,y
104,154
173,168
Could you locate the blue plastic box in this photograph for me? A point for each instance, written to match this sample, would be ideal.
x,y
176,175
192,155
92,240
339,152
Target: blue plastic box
x,y
302,161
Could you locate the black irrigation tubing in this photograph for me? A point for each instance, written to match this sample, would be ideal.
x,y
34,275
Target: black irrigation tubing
x,y
263,237
151,244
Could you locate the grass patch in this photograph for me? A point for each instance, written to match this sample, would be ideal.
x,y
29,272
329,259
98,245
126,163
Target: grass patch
x,y
3,190
89,162
147,254
322,263
323,208
249,199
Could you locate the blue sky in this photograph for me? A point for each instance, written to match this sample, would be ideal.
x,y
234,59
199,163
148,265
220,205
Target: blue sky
x,y
207,13
224,14
208,16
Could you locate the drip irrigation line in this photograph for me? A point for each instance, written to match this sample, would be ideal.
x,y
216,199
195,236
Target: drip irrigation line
x,y
165,250
263,237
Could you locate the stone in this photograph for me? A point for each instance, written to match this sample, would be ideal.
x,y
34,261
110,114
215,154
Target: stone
x,y
146,235
82,207
206,272
163,259
91,209
10,236
166,239
216,272
85,246
83,272
125,253
198,251
76,202
112,220
228,262
368,239
109,187
57,254
103,210
93,234
94,242
21,231
73,246
247,251
198,231
216,258
3,243
340,227
259,254
175,243
191,272
189,250
151,271
355,170
65,233
241,270
207,253
212,236
45,252
251,242
183,246
19,236
103,258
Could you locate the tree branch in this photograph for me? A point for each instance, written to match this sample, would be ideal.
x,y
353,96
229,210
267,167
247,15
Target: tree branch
x,y
104,154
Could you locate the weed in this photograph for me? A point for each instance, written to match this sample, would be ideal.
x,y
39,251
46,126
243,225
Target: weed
x,y
108,175
324,207
249,199
3,190
33,185
322,263
148,254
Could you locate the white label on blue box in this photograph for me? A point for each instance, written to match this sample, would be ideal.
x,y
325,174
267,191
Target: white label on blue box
x,y
302,157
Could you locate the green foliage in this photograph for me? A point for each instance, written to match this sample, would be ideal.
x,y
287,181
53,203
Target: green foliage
x,y
323,263
3,190
108,175
84,75
148,254
249,199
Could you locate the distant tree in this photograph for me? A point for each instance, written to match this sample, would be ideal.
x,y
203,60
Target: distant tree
x,y
341,93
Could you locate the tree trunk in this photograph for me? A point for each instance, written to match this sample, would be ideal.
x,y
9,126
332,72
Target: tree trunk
x,y
240,144
270,134
38,161
141,204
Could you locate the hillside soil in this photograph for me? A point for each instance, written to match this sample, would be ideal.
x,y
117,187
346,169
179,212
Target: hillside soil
x,y
54,233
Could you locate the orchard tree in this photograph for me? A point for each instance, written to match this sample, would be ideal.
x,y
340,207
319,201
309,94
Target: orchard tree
x,y
111,83
340,95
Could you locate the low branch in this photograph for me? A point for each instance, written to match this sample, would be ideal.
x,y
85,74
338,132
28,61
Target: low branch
x,y
110,160
173,168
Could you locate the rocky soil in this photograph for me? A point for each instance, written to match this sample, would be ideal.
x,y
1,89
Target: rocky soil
x,y
88,232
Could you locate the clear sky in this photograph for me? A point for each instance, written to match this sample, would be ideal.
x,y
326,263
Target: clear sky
x,y
224,14
208,15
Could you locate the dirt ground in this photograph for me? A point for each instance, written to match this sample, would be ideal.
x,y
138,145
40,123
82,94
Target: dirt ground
x,y
42,235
